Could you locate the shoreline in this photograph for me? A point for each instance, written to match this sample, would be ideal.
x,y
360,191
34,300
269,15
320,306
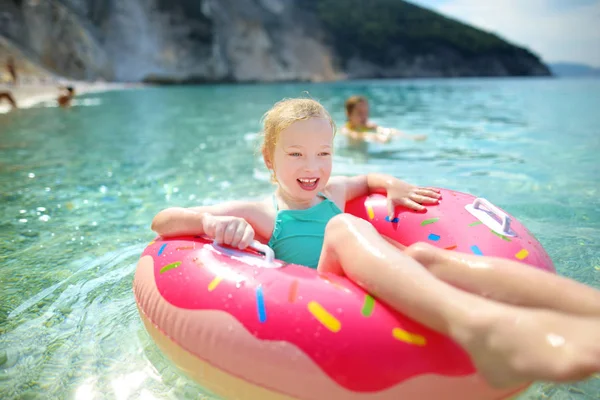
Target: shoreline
x,y
28,95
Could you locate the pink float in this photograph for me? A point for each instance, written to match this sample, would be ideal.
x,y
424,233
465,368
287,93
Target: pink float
x,y
246,326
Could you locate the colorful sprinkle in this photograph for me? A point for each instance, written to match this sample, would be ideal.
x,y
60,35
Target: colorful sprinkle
x,y
260,305
213,284
476,250
293,291
368,306
151,243
522,254
500,236
185,248
161,249
475,223
395,220
170,266
451,247
370,211
408,337
433,237
329,321
430,221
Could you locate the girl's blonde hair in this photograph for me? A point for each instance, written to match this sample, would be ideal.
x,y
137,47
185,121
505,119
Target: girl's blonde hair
x,y
283,114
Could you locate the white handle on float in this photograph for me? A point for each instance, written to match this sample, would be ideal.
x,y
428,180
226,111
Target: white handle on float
x,y
263,248
503,228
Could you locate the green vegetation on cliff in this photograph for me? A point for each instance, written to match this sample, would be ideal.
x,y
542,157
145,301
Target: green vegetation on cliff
x,y
383,30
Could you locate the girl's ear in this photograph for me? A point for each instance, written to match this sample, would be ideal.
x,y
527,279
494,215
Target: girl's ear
x,y
266,159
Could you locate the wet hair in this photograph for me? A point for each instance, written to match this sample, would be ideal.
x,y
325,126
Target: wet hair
x,y
352,102
283,114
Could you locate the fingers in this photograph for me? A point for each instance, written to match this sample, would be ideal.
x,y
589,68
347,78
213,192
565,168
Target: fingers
x,y
391,208
235,232
232,234
409,203
423,199
428,192
219,232
247,237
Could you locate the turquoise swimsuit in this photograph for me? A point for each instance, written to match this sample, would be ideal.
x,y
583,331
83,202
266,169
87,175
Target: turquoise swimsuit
x,y
298,234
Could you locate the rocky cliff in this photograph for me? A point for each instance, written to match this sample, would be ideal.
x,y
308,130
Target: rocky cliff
x,y
251,40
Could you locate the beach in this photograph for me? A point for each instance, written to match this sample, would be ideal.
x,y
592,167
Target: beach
x,y
28,95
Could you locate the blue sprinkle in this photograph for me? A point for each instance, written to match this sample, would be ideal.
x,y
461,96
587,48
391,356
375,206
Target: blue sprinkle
x,y
161,249
433,237
260,305
395,220
476,250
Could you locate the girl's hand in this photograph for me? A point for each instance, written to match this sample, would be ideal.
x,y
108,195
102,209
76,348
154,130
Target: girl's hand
x,y
232,231
404,194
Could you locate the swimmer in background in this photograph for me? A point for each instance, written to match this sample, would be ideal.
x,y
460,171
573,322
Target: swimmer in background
x,y
358,128
65,96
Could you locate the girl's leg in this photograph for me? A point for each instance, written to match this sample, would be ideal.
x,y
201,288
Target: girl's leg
x,y
509,345
508,281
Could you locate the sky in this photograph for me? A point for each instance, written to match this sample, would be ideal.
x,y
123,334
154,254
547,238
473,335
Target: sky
x,y
555,30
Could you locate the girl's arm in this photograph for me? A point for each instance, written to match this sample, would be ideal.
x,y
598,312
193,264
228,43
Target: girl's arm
x,y
398,192
178,221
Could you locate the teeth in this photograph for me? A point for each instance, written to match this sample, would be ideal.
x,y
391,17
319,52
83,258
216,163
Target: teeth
x,y
303,180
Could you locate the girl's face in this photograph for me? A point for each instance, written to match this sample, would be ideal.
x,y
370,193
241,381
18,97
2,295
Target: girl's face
x,y
360,114
302,158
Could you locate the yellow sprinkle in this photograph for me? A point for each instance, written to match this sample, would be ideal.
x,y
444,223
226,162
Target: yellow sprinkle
x,y
329,321
151,243
408,337
522,254
213,284
370,211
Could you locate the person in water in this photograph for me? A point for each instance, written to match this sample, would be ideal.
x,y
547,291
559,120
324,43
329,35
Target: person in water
x,y
359,128
9,98
297,149
65,96
303,223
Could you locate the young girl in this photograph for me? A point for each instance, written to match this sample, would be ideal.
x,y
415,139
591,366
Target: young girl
x,y
297,149
359,128
547,337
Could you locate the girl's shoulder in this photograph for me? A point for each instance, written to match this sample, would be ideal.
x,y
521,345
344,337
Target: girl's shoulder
x,y
335,190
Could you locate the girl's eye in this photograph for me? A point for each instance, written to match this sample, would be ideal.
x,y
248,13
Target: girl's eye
x,y
325,154
295,154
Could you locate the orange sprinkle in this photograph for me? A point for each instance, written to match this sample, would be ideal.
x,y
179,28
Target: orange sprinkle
x,y
451,247
186,248
293,291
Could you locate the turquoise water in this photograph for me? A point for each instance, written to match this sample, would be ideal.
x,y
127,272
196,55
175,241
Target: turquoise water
x,y
79,188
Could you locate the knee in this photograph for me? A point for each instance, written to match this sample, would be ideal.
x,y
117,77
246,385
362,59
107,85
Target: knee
x,y
343,224
423,253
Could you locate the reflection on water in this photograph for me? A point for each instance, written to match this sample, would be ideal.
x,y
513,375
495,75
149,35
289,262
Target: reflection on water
x,y
79,189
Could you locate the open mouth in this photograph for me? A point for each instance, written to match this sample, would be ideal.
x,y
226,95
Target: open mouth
x,y
308,183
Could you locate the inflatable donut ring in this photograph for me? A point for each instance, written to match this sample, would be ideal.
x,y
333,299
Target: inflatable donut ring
x,y
248,327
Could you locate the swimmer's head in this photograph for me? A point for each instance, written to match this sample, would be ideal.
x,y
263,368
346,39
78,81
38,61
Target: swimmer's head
x,y
357,110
